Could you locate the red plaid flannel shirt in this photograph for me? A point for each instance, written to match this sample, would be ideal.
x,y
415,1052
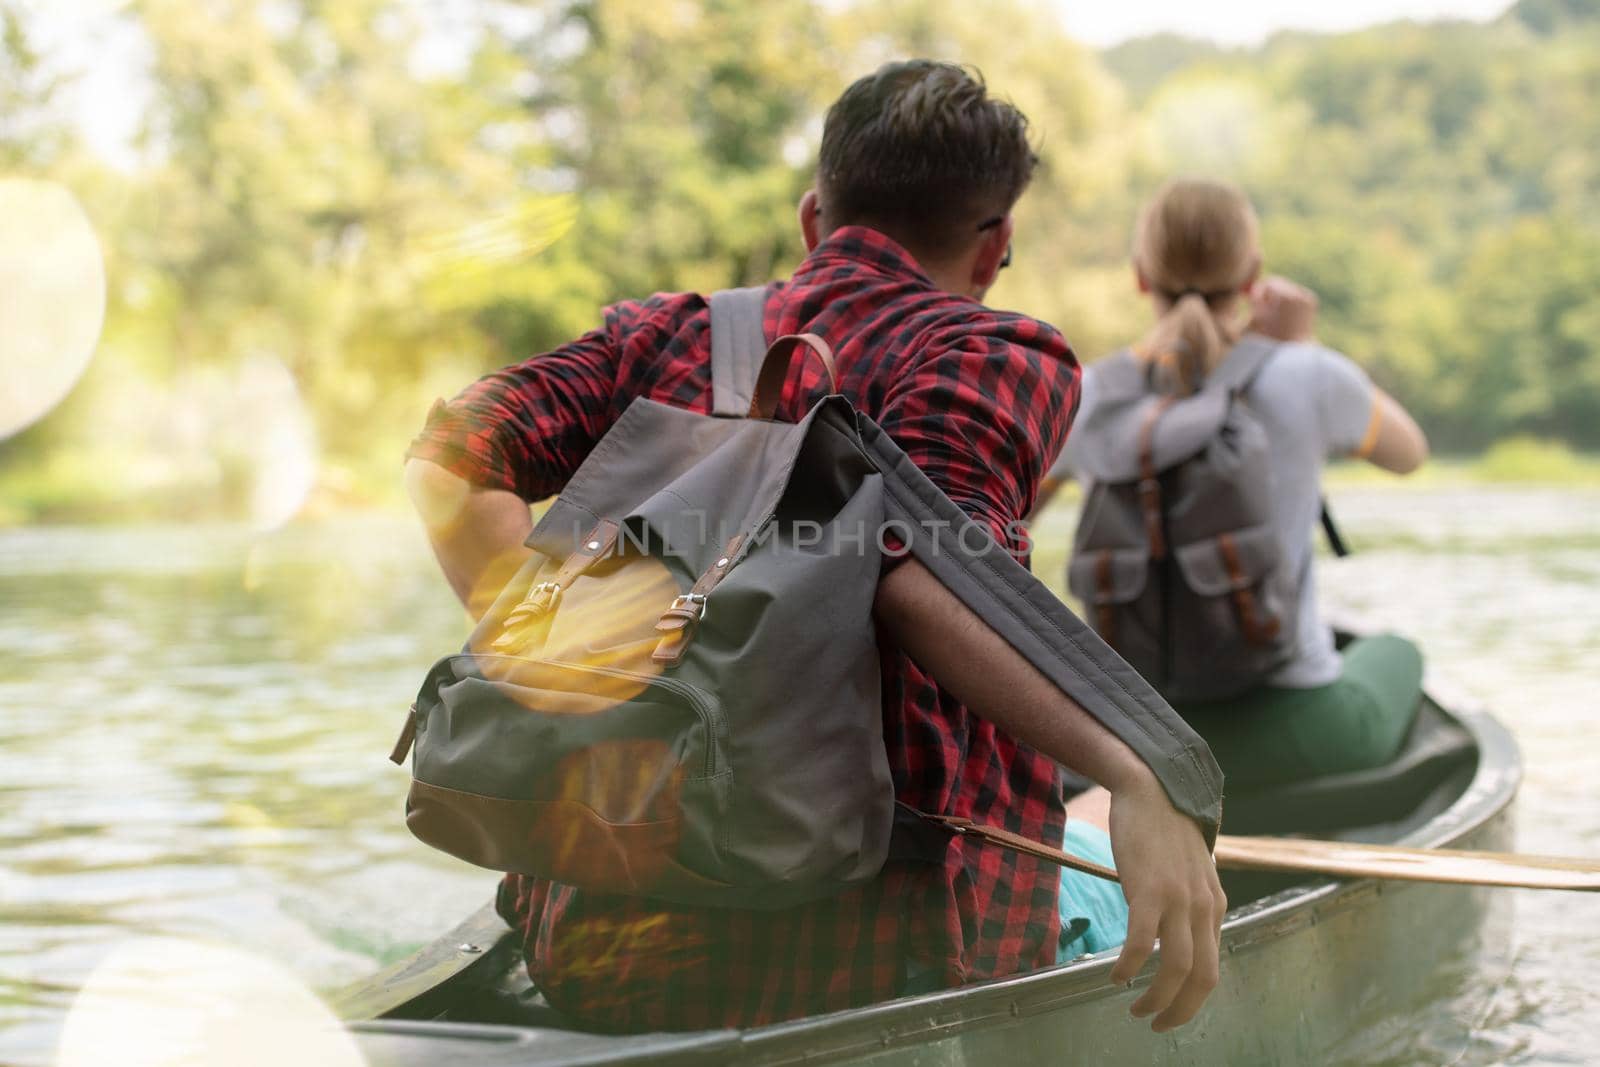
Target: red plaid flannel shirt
x,y
980,400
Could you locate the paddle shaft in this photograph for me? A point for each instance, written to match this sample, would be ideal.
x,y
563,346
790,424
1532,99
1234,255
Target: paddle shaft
x,y
1349,859
1343,859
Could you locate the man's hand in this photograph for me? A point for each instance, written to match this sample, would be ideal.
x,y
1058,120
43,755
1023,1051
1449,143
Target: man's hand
x,y
1283,310
1171,884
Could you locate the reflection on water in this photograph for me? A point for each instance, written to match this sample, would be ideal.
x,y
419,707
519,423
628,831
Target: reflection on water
x,y
194,731
195,722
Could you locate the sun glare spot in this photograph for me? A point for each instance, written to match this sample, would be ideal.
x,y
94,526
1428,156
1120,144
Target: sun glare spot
x,y
607,622
1213,125
52,298
284,446
164,1002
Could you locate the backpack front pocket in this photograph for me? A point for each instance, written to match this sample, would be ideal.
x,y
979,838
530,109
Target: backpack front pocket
x,y
590,776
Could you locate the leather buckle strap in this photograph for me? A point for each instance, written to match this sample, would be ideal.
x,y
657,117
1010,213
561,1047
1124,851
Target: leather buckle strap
x,y
1105,613
1259,628
1150,509
684,615
1150,479
693,604
546,596
408,734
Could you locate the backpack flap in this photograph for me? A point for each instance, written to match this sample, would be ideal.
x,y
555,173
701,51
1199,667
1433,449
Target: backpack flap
x,y
1229,562
1108,576
1236,614
1111,584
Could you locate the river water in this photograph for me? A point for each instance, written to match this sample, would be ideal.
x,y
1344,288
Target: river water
x,y
194,720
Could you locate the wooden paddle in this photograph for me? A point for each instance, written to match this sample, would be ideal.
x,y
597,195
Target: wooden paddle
x,y
1340,859
1349,859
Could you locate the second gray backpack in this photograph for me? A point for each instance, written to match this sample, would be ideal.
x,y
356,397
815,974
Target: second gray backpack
x,y
1175,558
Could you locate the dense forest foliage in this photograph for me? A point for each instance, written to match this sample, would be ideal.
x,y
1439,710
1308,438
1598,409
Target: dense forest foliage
x,y
352,207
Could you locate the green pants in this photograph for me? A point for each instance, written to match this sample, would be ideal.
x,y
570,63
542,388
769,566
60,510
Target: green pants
x,y
1271,735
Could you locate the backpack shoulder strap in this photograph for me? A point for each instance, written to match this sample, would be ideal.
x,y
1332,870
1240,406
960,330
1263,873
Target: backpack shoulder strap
x,y
1120,376
1034,621
738,344
1237,372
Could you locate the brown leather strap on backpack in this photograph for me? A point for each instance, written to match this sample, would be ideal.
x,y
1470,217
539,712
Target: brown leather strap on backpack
x,y
408,735
775,371
1149,480
1105,613
677,624
543,598
1259,628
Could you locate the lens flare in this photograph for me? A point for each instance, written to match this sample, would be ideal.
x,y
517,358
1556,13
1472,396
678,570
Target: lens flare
x,y
1214,125
52,298
281,443
606,619
164,1002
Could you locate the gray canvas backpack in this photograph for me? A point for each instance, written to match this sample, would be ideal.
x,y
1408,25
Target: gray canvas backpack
x,y
1175,558
678,694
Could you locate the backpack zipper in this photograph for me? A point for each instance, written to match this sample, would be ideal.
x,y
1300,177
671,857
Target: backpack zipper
x,y
692,696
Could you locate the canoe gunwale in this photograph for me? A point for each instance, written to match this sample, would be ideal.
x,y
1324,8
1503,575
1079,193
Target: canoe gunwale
x,y
1259,923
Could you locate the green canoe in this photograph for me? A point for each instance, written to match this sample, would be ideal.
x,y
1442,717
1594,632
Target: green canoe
x,y
1306,965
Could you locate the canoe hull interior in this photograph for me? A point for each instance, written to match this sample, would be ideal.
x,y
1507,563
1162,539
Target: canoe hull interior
x,y
1306,965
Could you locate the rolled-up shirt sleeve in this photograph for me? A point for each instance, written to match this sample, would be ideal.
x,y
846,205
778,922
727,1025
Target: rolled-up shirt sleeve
x,y
526,428
1346,405
983,412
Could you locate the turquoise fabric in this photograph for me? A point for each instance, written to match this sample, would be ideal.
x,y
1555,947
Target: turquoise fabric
x,y
1094,915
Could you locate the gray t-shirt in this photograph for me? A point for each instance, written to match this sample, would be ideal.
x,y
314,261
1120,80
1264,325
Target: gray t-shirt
x,y
1315,404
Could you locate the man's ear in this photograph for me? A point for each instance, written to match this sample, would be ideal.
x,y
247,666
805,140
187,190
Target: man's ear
x,y
986,266
1141,281
810,220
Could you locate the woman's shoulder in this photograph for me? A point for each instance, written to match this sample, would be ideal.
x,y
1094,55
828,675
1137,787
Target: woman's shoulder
x,y
1310,367
1309,387
1303,354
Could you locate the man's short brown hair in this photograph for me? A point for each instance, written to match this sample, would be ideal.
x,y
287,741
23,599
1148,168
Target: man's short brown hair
x,y
922,152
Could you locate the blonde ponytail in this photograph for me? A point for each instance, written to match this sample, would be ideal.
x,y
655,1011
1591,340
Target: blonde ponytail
x,y
1195,245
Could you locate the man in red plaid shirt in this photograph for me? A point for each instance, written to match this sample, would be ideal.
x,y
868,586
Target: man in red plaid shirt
x,y
908,225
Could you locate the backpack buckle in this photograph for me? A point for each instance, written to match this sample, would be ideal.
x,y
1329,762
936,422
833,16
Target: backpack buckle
x,y
540,601
676,625
692,605
542,598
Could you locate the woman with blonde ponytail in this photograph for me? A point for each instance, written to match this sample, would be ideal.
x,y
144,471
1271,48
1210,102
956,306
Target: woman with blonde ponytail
x,y
1195,253
1197,256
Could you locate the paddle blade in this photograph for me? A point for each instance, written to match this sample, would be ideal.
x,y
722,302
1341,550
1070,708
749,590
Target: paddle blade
x,y
1346,859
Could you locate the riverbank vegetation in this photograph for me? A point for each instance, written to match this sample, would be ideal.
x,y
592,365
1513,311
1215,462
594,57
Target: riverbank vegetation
x,y
335,213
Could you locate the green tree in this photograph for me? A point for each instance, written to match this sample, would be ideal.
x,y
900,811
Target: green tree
x,y
318,199
33,134
1530,297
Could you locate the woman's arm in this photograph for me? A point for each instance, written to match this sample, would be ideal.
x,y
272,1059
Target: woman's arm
x,y
1394,442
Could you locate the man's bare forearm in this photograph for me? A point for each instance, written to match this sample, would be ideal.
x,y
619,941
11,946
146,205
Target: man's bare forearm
x,y
477,534
985,673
